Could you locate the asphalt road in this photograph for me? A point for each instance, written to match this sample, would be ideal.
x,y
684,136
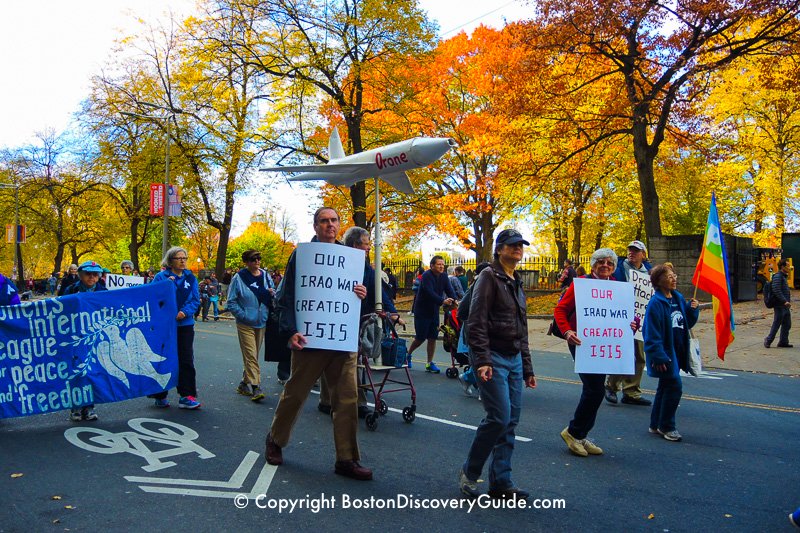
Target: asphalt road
x,y
736,470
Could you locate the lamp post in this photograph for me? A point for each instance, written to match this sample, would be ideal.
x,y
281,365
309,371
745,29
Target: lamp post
x,y
16,227
171,112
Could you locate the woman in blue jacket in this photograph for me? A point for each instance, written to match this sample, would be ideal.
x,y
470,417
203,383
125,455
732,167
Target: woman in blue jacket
x,y
667,322
188,299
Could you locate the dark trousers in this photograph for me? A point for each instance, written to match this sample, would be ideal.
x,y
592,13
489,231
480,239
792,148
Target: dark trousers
x,y
665,403
782,318
591,397
187,385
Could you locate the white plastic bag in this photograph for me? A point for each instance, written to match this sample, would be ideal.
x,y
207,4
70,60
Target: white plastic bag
x,y
695,361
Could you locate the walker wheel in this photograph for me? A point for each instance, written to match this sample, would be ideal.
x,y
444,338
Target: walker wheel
x,y
451,372
409,414
372,421
382,407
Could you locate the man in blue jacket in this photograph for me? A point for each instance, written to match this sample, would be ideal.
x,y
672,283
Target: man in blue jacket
x,y
782,317
434,291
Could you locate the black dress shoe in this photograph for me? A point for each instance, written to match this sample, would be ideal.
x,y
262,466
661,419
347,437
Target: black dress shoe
x,y
363,411
509,494
353,470
611,396
785,345
766,343
324,408
635,401
273,452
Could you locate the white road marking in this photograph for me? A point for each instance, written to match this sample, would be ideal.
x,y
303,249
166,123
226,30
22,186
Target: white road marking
x,y
260,487
442,421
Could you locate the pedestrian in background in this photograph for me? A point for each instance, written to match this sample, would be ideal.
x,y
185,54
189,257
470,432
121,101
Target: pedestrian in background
x,y
70,278
666,344
434,291
782,312
249,295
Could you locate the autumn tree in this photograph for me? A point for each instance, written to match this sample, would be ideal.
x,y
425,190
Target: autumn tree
x,y
329,52
754,107
663,53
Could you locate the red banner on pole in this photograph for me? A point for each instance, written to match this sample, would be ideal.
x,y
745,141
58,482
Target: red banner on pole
x,y
157,199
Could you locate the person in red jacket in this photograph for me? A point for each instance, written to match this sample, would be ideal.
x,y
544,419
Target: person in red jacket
x,y
603,262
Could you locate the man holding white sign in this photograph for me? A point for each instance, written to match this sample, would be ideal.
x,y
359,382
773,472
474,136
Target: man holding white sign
x,y
319,312
634,270
595,316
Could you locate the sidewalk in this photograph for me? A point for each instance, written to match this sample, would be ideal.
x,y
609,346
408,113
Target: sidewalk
x,y
747,353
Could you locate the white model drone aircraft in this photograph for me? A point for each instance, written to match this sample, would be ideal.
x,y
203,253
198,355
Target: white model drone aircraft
x,y
388,163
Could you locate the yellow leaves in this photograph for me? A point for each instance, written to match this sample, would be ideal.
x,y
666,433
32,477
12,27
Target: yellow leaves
x,y
14,476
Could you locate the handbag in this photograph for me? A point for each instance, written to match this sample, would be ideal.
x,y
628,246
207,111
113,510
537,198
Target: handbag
x,y
695,361
554,330
393,349
275,345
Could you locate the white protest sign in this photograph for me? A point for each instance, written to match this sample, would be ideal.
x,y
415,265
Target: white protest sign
x,y
327,310
642,292
604,311
119,281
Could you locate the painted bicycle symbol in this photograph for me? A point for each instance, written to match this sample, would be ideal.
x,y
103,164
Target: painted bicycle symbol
x,y
178,440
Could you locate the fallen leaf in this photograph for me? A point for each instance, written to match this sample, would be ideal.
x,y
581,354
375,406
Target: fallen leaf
x,y
69,507
728,515
17,475
56,521
651,516
56,498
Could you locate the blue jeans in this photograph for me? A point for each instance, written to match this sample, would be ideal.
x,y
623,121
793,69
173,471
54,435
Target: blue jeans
x,y
502,400
665,404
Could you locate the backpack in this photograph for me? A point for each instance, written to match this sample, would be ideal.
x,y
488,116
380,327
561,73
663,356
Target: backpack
x,y
769,296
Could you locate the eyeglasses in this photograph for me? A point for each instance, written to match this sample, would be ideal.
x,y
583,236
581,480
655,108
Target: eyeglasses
x,y
180,258
332,220
253,259
604,262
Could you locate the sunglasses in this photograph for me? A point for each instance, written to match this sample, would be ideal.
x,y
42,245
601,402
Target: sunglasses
x,y
254,259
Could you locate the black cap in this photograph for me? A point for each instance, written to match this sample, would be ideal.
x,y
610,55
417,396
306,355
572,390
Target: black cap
x,y
510,236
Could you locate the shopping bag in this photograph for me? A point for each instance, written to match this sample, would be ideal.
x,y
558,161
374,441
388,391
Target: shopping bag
x,y
695,361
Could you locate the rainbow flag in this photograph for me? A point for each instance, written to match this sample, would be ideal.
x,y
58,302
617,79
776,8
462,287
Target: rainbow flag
x,y
711,276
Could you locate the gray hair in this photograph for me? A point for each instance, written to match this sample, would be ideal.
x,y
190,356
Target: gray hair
x,y
73,265
170,255
353,236
126,263
603,253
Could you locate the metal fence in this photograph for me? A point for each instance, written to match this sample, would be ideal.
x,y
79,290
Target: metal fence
x,y
538,273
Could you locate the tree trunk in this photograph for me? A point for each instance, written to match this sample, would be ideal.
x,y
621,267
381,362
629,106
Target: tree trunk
x,y
222,249
20,271
645,157
358,191
133,247
58,258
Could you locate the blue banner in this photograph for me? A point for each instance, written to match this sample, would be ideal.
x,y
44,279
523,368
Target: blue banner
x,y
80,349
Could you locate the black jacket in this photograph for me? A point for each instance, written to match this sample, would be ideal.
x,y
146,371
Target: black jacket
x,y
780,288
498,319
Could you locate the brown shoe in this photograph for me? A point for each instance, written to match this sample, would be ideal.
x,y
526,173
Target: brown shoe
x,y
273,453
353,469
